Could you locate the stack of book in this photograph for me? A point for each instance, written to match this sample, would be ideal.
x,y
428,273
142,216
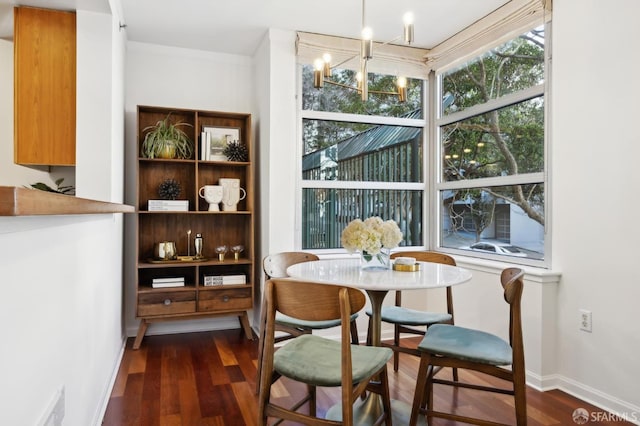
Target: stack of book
x,y
211,280
168,282
168,205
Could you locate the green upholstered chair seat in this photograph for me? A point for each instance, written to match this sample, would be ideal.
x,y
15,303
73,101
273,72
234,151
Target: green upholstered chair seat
x,y
313,325
316,360
467,344
405,316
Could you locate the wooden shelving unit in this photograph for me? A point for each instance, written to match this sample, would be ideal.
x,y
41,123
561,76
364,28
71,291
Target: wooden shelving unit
x,y
194,299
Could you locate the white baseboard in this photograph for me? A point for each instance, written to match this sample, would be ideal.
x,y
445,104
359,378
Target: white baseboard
x,y
102,408
622,409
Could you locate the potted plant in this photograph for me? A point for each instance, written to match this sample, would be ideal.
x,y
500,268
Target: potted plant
x,y
166,140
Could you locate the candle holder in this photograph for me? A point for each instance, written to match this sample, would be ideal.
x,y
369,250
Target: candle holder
x,y
221,250
237,249
198,243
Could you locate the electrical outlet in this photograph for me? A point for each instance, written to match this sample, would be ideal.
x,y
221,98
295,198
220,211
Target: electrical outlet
x,y
585,320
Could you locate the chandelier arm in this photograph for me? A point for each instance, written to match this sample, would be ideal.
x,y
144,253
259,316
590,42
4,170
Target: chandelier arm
x,y
346,86
344,62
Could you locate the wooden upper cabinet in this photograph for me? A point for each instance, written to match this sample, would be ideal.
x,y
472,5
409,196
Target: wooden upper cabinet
x,y
44,87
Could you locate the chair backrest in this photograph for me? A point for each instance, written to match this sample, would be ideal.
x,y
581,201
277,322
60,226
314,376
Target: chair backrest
x,y
512,283
312,302
428,256
275,265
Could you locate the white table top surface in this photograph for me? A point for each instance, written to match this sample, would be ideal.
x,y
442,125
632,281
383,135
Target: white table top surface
x,y
347,272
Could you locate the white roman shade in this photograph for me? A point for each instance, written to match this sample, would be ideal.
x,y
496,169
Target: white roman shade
x,y
503,24
506,22
387,58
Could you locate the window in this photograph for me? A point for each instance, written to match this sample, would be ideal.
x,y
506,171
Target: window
x,y
490,131
360,159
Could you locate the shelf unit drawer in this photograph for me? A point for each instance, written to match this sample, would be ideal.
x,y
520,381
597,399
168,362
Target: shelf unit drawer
x,y
225,300
163,303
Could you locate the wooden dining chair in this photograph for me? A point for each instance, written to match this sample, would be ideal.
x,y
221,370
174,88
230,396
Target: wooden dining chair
x,y
318,361
464,348
412,321
275,266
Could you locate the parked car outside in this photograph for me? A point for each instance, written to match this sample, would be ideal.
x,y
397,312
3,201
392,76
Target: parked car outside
x,y
496,248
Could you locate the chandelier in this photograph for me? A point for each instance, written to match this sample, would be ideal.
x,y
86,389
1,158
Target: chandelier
x,y
322,66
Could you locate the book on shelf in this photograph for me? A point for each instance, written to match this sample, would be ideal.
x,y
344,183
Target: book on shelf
x,y
167,285
167,282
168,279
205,143
168,205
213,280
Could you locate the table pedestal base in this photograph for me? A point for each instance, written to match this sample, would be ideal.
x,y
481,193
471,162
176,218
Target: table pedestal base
x,y
366,412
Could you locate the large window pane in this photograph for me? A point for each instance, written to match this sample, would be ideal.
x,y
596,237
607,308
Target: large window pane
x,y
338,98
494,220
515,65
505,142
360,152
326,212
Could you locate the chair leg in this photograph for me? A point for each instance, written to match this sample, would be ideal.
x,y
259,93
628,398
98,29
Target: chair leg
x,y
263,323
312,400
386,398
429,392
355,339
369,332
520,397
396,342
419,394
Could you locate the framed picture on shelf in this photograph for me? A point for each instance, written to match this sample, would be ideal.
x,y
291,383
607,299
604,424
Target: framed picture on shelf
x,y
216,139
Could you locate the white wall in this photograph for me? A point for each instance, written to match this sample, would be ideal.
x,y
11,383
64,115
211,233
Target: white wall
x,y
594,174
61,305
275,71
181,78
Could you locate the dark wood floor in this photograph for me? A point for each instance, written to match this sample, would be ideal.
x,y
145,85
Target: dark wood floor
x,y
209,379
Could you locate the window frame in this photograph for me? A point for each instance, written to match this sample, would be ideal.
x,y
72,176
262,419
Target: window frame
x,y
438,183
303,184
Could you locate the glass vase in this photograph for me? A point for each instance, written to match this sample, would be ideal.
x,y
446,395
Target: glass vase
x,y
375,262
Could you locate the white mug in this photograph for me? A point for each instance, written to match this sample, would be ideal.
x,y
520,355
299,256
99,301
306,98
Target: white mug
x,y
212,195
232,194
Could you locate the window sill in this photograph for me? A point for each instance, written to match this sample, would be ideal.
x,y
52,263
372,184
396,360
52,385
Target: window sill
x,y
537,274
16,201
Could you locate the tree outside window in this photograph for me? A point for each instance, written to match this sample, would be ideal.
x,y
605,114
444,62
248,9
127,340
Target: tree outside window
x,y
491,132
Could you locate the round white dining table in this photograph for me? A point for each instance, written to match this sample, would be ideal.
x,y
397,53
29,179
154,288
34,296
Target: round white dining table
x,y
377,284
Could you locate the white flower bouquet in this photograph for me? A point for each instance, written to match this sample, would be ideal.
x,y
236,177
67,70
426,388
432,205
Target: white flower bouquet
x,y
371,236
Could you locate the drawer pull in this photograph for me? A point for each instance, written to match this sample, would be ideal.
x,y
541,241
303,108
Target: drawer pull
x,y
225,298
167,302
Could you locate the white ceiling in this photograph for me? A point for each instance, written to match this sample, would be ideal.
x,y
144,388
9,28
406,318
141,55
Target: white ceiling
x,y
237,26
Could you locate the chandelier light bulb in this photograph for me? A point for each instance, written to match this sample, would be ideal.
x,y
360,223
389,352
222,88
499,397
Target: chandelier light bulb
x,y
318,73
367,43
408,27
367,33
327,64
401,82
407,18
